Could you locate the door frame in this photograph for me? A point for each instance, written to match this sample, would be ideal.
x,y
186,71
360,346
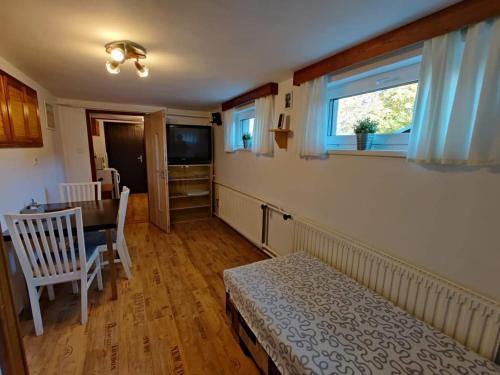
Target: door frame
x,y
88,115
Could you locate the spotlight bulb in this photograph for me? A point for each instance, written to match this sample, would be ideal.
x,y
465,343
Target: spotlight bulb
x,y
117,54
142,70
113,67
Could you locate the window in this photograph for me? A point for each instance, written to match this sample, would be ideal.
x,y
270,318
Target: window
x,y
386,94
245,119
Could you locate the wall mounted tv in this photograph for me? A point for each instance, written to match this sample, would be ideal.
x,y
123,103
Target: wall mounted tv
x,y
189,144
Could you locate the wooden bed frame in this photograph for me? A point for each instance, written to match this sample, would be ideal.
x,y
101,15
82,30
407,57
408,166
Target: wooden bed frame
x,y
248,342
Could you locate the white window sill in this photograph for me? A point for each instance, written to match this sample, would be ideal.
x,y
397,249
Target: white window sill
x,y
244,149
376,153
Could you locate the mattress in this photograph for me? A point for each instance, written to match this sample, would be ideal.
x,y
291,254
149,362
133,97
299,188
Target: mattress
x,y
312,319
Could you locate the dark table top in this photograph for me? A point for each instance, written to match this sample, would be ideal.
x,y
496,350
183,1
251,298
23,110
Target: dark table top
x,y
96,215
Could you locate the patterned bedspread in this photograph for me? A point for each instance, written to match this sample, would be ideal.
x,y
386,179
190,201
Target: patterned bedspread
x,y
312,319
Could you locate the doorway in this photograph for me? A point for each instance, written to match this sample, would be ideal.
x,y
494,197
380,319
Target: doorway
x,y
118,158
125,153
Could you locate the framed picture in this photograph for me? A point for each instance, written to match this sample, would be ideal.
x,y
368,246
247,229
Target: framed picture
x,y
289,100
50,115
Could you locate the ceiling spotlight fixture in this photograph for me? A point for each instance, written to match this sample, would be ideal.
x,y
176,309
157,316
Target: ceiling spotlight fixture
x,y
123,50
142,70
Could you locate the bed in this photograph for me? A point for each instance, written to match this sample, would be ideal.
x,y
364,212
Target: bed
x,y
309,318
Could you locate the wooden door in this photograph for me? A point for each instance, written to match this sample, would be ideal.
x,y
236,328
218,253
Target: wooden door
x,y
155,134
4,116
32,116
14,91
125,149
12,357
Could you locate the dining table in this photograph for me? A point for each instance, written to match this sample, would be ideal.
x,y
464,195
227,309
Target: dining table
x,y
99,215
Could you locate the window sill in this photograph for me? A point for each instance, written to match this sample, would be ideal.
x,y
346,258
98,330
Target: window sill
x,y
372,153
243,149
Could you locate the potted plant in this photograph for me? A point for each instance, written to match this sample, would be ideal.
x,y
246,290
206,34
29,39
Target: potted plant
x,y
246,140
364,129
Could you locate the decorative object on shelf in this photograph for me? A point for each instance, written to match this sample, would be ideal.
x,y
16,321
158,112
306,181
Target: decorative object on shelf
x,y
122,50
286,125
50,116
289,100
364,129
281,120
247,137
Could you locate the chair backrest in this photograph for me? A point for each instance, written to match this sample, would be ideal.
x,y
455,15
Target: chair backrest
x,y
122,213
45,243
80,191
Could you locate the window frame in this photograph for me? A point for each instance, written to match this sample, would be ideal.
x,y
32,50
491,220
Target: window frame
x,y
245,113
381,78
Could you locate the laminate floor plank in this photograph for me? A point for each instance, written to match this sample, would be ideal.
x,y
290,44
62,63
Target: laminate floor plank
x,y
168,319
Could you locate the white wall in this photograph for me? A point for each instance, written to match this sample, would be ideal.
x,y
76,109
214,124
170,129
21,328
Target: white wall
x,y
30,172
445,219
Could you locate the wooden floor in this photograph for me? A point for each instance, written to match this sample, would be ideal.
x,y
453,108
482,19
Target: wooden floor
x,y
137,208
170,319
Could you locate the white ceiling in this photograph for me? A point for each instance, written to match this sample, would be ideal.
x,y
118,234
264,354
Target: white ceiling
x,y
200,52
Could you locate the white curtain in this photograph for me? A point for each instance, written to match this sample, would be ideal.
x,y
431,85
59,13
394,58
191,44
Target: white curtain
x,y
312,135
262,139
457,111
229,130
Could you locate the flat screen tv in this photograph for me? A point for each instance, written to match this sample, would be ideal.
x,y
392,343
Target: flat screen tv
x,y
189,144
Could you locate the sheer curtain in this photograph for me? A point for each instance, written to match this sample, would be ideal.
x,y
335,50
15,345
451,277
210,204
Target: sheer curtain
x,y
262,139
457,111
229,130
312,135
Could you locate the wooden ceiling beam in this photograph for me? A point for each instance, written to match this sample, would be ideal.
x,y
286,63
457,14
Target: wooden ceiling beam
x,y
459,15
270,88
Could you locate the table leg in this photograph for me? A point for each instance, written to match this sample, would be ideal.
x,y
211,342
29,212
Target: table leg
x,y
111,263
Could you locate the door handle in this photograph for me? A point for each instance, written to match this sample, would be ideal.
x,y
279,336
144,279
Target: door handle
x,y
140,158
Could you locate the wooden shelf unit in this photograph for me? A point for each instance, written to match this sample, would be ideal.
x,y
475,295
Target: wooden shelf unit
x,y
190,192
281,137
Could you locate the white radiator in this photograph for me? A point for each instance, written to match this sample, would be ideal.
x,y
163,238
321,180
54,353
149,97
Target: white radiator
x,y
241,212
462,314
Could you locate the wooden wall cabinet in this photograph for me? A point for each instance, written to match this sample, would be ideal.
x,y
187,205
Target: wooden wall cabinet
x,y
19,115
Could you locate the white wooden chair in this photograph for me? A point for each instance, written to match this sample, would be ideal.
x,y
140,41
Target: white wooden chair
x,y
50,254
120,244
80,191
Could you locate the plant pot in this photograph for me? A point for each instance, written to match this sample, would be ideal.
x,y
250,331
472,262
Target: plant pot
x,y
245,144
364,141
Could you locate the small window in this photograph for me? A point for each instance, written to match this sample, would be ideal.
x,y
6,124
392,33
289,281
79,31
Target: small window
x,y
244,125
387,96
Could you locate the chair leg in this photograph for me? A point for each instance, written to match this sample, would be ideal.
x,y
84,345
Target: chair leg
x,y
50,292
75,287
125,248
124,261
35,309
84,286
99,272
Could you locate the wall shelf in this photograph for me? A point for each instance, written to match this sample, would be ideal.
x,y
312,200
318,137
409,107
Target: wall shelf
x,y
176,196
281,137
190,207
189,179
